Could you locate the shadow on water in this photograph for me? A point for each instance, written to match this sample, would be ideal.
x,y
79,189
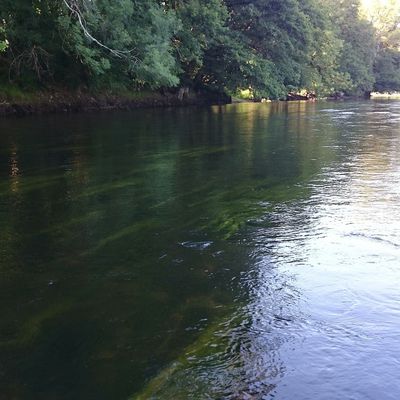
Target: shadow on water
x,y
186,253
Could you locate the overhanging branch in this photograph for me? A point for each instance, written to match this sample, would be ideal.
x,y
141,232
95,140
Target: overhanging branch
x,y
73,7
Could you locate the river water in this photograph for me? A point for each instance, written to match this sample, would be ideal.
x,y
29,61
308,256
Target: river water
x,y
248,251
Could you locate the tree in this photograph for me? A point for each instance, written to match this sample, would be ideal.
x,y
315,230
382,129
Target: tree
x,y
386,20
202,25
136,36
387,71
269,47
31,35
321,68
358,49
277,36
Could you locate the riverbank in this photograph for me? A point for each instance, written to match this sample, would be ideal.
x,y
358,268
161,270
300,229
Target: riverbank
x,y
61,101
385,95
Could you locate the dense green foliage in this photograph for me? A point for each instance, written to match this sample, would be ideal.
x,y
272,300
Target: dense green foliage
x,y
386,19
264,47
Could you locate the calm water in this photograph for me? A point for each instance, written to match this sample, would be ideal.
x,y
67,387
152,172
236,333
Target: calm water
x,y
242,252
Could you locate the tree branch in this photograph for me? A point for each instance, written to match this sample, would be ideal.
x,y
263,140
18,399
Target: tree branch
x,y
73,7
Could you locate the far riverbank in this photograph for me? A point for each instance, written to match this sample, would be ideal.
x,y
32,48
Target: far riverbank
x,y
62,101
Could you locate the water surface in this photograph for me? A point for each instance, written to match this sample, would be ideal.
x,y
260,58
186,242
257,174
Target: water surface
x,y
250,251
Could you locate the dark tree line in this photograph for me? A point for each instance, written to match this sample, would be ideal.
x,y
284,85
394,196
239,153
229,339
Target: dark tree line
x,y
267,47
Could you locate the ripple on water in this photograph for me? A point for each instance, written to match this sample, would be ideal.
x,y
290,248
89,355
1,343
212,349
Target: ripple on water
x,y
325,301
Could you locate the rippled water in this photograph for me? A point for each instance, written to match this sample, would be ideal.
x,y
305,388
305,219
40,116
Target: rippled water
x,y
243,252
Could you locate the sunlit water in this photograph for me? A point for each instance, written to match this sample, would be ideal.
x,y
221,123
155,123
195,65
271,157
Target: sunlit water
x,y
243,252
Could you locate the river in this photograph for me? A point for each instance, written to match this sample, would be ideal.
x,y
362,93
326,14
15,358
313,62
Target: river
x,y
243,252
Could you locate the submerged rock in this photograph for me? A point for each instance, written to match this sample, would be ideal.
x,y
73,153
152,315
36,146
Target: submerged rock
x,y
196,245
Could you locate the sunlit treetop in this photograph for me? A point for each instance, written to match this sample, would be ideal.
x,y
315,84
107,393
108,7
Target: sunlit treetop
x,y
385,16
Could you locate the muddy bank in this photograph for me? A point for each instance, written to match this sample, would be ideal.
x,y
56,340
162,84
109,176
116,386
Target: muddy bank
x,y
65,102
